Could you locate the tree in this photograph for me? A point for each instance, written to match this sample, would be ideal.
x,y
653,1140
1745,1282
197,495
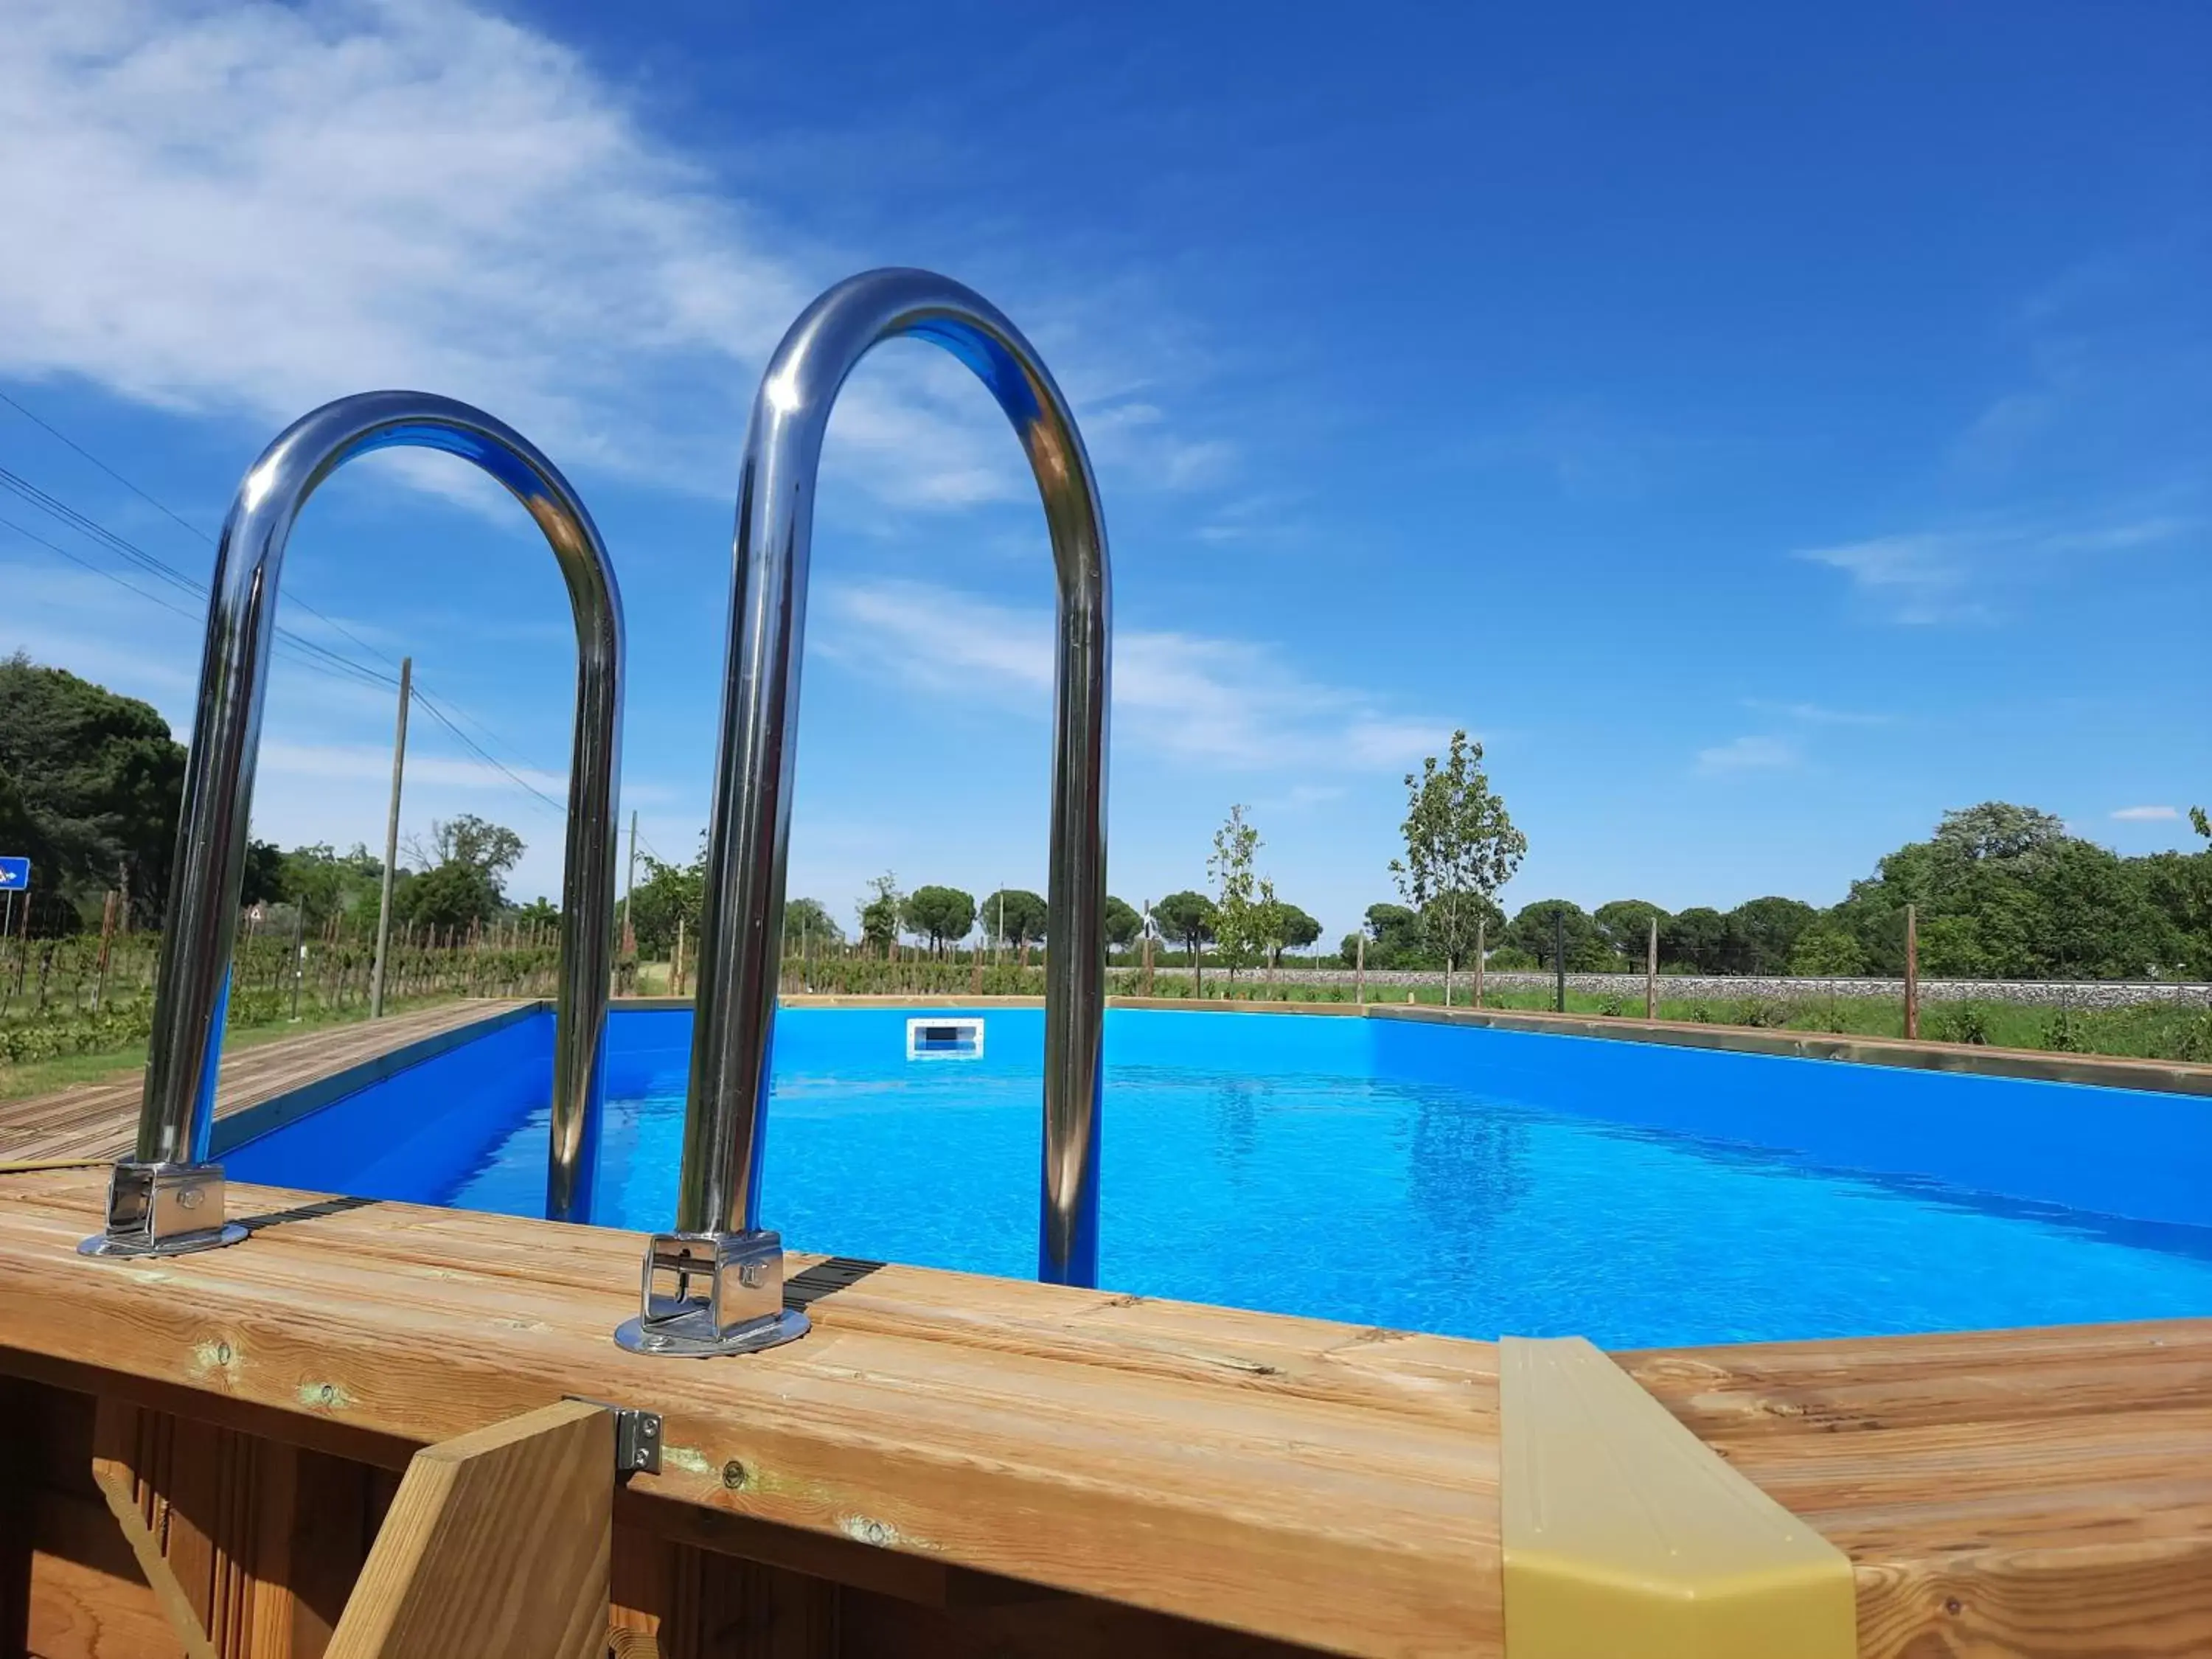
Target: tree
x,y
670,894
492,848
90,787
464,886
262,882
1188,918
1016,916
940,914
807,921
1299,929
326,883
1626,925
1395,936
1460,847
1247,922
880,915
450,895
1696,938
1827,951
1763,932
1533,930
1999,829
1122,923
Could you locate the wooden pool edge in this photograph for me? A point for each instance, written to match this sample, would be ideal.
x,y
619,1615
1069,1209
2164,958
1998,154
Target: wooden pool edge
x,y
944,1438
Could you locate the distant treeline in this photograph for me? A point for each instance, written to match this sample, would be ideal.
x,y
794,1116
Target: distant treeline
x,y
90,784
2001,892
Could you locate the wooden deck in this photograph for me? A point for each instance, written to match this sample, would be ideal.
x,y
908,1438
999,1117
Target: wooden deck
x,y
942,1441
98,1119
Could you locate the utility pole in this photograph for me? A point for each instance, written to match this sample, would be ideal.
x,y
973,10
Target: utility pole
x,y
390,842
629,886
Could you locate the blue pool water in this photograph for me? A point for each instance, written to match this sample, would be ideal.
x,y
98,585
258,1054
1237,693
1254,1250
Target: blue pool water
x,y
1385,1172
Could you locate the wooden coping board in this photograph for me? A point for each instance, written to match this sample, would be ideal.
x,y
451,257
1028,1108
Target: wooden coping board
x,y
2040,1494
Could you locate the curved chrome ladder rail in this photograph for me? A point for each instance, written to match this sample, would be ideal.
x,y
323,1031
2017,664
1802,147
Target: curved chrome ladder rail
x,y
166,1198
726,1272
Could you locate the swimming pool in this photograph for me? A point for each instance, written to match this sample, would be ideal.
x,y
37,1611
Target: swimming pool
x,y
1460,1180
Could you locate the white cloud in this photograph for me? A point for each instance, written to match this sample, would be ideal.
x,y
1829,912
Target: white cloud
x,y
1196,698
1813,713
1924,577
1919,578
2146,814
1747,754
247,210
367,762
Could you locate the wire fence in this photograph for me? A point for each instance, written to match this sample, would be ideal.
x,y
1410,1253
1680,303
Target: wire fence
x,y
2143,1020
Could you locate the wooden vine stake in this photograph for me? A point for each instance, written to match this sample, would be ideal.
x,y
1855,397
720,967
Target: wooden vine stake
x,y
1912,974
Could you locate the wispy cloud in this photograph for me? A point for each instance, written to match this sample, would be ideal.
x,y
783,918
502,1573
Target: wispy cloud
x,y
249,210
365,762
1813,713
1196,698
1921,577
2146,814
2107,361
1748,754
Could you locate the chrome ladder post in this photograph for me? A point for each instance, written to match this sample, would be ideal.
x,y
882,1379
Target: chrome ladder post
x,y
166,1199
723,1272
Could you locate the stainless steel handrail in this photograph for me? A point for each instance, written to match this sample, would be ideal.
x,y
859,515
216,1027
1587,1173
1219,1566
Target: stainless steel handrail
x,y
726,1270
167,1198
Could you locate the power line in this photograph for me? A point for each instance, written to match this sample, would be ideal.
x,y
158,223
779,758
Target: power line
x,y
310,652
56,432
153,565
483,754
171,514
305,661
98,570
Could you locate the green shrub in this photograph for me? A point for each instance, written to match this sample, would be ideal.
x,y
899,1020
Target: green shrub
x,y
1957,1022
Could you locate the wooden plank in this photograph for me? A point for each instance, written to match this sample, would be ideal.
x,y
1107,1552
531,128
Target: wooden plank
x,y
1285,1478
86,1598
98,1119
2041,1494
499,1541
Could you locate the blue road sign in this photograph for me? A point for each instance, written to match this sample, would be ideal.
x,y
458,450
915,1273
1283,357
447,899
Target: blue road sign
x,y
14,875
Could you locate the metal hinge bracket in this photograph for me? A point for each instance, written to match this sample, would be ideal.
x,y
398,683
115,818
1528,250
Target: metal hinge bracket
x,y
637,1436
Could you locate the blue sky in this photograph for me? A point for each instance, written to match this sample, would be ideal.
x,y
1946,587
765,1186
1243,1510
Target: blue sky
x,y
1764,428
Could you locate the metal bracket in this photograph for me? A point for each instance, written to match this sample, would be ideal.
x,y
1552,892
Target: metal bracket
x,y
163,1209
712,1293
637,1436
